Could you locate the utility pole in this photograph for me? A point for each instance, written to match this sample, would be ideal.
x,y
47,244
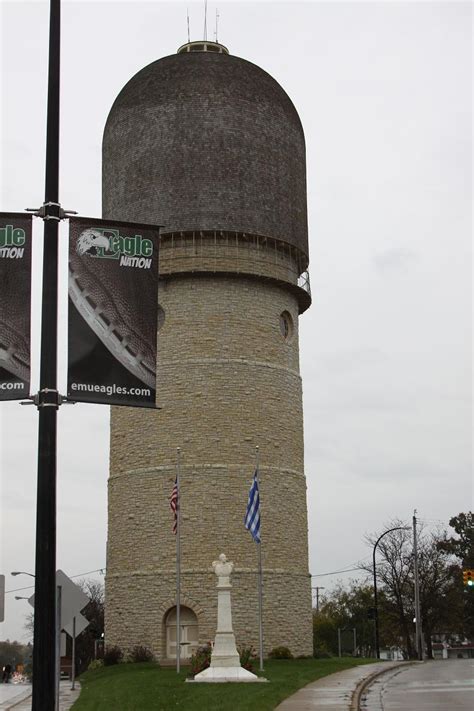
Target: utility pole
x,y
418,630
317,589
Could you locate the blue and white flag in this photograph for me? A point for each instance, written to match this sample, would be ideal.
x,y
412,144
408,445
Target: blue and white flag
x,y
252,516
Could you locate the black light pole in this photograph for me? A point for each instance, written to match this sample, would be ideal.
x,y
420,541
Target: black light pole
x,y
376,615
317,588
47,400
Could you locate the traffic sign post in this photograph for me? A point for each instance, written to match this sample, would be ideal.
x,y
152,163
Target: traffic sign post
x,y
70,601
74,629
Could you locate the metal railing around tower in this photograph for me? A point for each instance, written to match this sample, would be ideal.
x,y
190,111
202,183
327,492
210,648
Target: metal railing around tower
x,y
235,252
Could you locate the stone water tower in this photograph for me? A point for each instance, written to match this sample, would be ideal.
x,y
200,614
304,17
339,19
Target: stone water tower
x,y
211,147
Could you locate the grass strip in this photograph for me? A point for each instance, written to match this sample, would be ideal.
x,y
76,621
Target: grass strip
x,y
147,687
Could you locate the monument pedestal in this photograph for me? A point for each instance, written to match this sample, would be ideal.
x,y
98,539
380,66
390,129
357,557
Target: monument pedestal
x,y
222,674
225,660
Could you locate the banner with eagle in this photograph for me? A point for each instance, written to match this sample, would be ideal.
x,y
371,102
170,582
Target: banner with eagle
x,y
113,312
15,305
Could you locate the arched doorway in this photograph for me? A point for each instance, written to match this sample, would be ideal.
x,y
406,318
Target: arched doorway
x,y
189,632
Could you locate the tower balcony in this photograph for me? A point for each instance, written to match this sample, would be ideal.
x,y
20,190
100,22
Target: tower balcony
x,y
226,252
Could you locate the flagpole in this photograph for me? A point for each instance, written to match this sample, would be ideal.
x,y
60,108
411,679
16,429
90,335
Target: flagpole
x,y
178,563
260,573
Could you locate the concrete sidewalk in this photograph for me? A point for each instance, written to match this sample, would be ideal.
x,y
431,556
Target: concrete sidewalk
x,y
336,692
11,693
17,697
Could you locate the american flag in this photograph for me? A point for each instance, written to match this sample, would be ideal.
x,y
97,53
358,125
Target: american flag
x,y
252,516
174,505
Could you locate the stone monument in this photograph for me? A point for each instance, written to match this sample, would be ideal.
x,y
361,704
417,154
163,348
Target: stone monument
x,y
225,660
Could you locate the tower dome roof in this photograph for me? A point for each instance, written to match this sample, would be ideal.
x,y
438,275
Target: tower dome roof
x,y
203,140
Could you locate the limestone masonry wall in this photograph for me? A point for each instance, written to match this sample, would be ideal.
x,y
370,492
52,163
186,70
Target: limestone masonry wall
x,y
228,380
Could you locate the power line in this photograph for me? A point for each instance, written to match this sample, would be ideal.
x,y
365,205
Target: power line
x,y
334,572
358,566
79,575
102,571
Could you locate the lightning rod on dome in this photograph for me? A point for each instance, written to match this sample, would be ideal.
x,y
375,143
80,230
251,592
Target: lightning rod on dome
x,y
205,19
187,17
217,23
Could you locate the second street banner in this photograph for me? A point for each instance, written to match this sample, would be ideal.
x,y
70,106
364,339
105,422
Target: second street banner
x,y
113,311
15,305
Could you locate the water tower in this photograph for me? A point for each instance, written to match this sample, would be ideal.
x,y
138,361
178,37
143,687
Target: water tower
x,y
210,146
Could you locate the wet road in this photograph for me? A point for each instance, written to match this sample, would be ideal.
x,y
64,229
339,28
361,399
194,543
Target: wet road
x,y
445,685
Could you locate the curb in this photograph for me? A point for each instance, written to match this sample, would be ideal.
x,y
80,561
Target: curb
x,y
368,680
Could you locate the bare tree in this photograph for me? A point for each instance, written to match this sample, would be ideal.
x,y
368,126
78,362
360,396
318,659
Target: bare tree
x,y
395,578
94,612
440,592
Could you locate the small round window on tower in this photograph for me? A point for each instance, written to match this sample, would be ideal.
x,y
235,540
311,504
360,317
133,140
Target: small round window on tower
x,y
286,325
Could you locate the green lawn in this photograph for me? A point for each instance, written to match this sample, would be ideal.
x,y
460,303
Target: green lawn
x,y
146,687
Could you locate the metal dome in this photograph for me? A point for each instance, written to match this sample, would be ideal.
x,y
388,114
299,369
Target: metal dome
x,y
203,140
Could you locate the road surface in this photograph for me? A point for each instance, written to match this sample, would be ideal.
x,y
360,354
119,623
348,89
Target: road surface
x,y
445,685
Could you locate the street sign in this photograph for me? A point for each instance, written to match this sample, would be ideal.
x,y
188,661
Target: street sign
x,y
81,624
73,600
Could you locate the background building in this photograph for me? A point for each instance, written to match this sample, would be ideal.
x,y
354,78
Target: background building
x,y
211,147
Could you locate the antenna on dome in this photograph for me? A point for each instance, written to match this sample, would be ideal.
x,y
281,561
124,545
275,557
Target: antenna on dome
x,y
205,19
187,15
217,22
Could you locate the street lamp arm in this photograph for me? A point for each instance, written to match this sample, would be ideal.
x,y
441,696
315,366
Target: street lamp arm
x,y
390,530
376,615
22,572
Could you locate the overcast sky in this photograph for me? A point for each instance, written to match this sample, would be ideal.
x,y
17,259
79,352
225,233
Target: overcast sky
x,y
383,90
